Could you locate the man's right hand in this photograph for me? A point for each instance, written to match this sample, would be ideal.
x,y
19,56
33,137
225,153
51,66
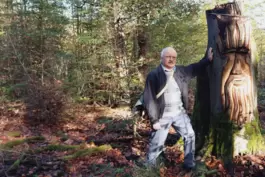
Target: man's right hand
x,y
156,126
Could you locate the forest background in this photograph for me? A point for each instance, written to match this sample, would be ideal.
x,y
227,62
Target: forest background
x,y
65,62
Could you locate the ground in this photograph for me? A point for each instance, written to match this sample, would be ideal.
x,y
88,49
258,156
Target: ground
x,y
94,141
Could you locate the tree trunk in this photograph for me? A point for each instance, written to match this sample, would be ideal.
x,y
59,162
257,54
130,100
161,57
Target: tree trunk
x,y
226,120
120,53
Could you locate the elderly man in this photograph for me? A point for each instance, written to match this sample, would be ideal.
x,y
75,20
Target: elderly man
x,y
166,101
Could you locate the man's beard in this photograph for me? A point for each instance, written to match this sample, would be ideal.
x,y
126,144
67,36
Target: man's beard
x,y
237,90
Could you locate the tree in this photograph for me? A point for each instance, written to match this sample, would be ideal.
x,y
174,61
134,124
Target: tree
x,y
34,38
115,43
33,57
225,113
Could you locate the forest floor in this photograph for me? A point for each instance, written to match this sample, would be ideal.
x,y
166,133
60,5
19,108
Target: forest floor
x,y
94,141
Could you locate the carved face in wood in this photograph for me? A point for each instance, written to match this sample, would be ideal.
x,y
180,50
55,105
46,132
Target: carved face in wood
x,y
236,82
237,87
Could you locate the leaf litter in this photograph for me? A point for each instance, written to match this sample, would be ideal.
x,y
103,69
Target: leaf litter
x,y
95,141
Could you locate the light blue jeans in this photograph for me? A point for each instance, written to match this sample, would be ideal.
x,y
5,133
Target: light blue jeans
x,y
183,126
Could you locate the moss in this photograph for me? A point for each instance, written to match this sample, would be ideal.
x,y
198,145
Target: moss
x,y
254,136
89,151
118,126
262,131
35,139
222,135
16,164
63,135
208,151
108,170
11,144
221,132
211,172
146,172
60,147
14,133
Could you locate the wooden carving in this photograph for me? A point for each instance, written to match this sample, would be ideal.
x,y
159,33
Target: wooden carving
x,y
225,115
233,48
237,89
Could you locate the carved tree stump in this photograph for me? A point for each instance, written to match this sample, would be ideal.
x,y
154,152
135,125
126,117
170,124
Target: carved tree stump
x,y
225,113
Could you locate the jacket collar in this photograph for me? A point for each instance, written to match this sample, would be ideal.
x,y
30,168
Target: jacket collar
x,y
165,69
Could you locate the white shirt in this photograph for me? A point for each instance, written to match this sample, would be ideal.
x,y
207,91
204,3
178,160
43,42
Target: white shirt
x,y
172,95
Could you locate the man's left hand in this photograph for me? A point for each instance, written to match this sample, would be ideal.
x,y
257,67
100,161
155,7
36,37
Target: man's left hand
x,y
210,54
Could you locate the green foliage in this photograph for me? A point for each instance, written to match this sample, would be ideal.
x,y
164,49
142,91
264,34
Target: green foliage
x,y
96,74
100,50
180,25
33,39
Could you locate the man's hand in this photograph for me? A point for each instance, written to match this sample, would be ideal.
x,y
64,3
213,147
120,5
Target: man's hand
x,y
156,126
210,54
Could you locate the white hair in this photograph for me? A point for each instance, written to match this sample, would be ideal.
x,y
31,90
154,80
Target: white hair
x,y
165,50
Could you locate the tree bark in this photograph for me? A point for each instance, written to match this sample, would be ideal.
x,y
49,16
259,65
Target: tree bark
x,y
120,52
226,120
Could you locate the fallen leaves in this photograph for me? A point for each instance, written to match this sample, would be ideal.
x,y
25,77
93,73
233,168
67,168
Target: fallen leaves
x,y
136,151
213,163
69,142
100,143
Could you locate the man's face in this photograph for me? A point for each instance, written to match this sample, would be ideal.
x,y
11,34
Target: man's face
x,y
169,58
